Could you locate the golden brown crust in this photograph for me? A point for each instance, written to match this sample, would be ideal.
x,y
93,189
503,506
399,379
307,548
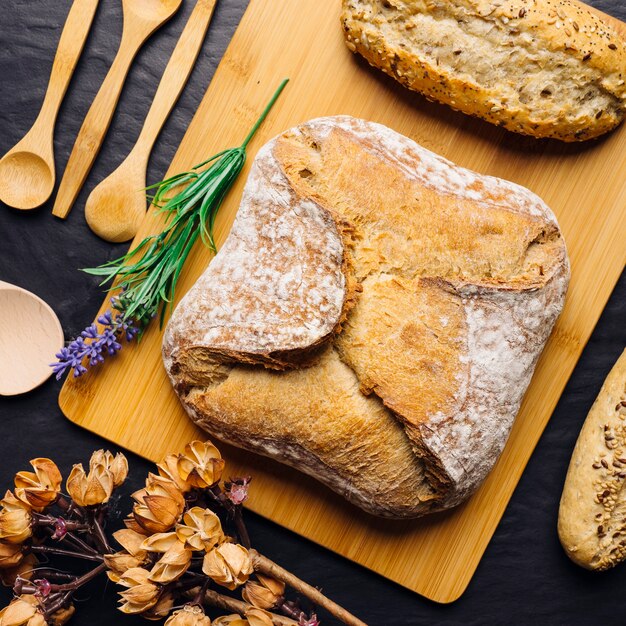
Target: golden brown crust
x,y
450,284
404,227
554,68
592,514
425,323
317,420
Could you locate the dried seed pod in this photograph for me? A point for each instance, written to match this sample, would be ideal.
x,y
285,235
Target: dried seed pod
x,y
172,565
201,464
15,519
188,616
228,565
90,489
168,468
159,506
141,594
22,611
24,569
231,620
10,554
201,529
40,488
258,617
117,465
264,593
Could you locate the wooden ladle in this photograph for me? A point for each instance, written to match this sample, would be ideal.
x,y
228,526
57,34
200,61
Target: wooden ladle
x,y
30,335
141,19
27,171
116,207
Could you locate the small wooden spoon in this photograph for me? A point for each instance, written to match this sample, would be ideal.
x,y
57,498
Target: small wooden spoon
x,y
141,19
27,171
116,207
30,336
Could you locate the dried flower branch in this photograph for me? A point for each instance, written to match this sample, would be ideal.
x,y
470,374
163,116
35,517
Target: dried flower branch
x,y
184,536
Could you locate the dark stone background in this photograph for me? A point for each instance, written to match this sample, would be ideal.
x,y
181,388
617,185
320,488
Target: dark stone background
x,y
524,577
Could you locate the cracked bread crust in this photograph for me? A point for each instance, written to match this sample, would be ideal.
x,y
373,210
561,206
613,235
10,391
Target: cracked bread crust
x,y
546,68
374,317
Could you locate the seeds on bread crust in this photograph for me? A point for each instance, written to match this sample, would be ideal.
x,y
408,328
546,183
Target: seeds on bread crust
x,y
539,68
592,514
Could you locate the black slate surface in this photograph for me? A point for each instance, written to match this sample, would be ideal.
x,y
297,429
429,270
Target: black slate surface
x,y
524,577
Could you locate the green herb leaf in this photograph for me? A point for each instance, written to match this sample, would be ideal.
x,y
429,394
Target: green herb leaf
x,y
147,274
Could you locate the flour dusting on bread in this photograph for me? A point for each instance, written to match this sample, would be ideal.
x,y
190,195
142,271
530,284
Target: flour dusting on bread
x,y
374,317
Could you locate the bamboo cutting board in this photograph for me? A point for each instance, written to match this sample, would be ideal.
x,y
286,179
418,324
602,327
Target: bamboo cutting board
x,y
130,402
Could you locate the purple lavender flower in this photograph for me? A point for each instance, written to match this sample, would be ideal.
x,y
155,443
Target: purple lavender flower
x,y
108,339
106,318
130,331
94,343
91,332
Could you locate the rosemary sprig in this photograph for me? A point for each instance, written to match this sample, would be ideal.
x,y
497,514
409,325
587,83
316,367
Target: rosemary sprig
x,y
147,274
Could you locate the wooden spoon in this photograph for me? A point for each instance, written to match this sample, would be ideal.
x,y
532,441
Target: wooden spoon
x,y
116,207
27,171
141,19
30,336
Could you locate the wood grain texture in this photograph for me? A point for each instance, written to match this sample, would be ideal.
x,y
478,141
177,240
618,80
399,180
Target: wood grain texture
x,y
141,19
116,207
131,403
30,336
27,171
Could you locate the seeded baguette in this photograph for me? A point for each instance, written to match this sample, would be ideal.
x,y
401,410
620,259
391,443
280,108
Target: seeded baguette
x,y
592,514
544,68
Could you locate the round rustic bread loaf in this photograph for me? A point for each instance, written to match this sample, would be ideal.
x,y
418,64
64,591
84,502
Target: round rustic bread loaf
x,y
374,317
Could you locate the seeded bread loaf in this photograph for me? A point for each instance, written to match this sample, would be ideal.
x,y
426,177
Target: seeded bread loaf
x,y
592,515
545,68
373,318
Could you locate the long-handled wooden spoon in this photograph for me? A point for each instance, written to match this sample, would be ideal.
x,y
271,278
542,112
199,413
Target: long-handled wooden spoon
x,y
30,335
27,171
116,207
141,19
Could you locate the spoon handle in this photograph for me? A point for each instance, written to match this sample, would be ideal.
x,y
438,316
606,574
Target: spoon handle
x,y
176,74
68,52
97,121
